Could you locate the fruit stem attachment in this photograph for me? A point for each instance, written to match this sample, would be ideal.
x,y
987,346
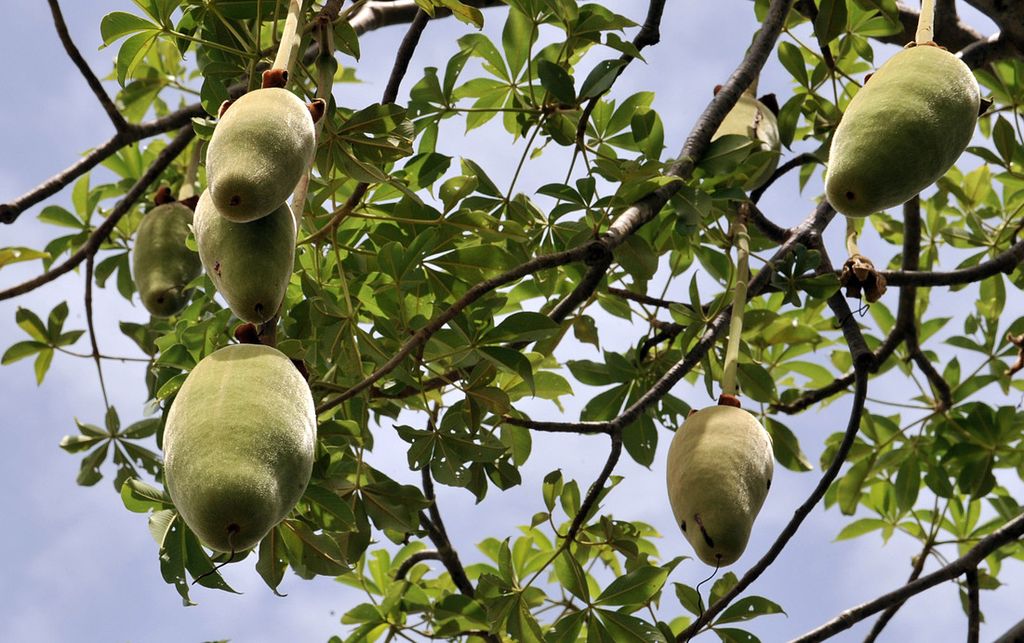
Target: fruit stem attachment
x,y
326,66
188,185
925,23
291,37
852,249
741,240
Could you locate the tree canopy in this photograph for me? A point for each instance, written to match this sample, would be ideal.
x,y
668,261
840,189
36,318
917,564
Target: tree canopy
x,y
461,307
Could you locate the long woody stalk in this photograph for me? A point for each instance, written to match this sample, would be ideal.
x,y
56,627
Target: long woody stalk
x,y
739,301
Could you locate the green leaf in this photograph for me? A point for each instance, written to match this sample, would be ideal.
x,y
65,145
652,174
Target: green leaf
x,y
601,78
624,628
748,608
21,350
831,20
557,81
572,577
861,527
635,588
116,24
140,497
43,364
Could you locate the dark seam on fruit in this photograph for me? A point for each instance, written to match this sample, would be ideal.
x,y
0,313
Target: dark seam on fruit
x,y
682,525
216,268
235,200
259,309
703,531
769,486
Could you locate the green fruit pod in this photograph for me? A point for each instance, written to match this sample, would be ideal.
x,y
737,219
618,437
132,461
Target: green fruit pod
x,y
902,131
249,263
162,265
239,444
752,118
262,146
720,466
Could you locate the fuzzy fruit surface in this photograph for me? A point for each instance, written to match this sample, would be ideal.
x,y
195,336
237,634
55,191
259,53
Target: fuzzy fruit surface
x,y
751,118
259,150
249,263
239,444
902,131
161,263
720,467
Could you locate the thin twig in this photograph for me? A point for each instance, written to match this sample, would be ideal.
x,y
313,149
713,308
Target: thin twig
x,y
852,426
439,536
795,162
99,235
915,573
92,329
1008,533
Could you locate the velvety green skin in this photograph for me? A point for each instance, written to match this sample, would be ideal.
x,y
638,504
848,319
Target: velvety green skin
x,y
720,466
161,263
249,263
902,131
239,444
259,151
751,118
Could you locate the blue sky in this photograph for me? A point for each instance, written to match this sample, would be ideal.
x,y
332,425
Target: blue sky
x,y
80,567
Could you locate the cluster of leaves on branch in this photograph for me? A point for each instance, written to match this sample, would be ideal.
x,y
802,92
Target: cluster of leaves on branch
x,y
426,287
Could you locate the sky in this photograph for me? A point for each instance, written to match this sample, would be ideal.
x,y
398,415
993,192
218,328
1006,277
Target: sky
x,y
81,567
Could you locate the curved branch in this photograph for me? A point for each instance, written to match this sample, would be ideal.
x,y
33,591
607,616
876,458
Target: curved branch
x,y
99,235
418,557
852,426
797,161
1008,533
595,489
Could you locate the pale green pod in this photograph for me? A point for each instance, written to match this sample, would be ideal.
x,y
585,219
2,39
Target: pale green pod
x,y
239,444
751,118
161,263
720,466
902,131
249,263
258,152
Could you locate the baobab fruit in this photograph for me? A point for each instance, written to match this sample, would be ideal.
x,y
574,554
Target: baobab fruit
x,y
902,131
162,265
260,149
239,444
720,467
752,118
249,263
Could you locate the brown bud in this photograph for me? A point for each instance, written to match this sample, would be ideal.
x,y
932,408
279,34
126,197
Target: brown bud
x,y
729,400
163,196
247,334
718,88
275,78
224,107
190,202
317,109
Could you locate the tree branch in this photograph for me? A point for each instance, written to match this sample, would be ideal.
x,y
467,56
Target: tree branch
x,y
644,210
478,290
595,489
852,426
973,606
83,67
439,536
1008,533
1005,262
99,235
797,161
887,615
418,557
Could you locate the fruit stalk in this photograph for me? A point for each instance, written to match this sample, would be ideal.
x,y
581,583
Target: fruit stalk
x,y
852,249
288,49
925,23
739,301
188,185
326,66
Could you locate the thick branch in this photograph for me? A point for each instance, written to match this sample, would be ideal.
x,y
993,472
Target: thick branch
x,y
83,67
99,235
1005,262
973,606
852,426
1006,534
